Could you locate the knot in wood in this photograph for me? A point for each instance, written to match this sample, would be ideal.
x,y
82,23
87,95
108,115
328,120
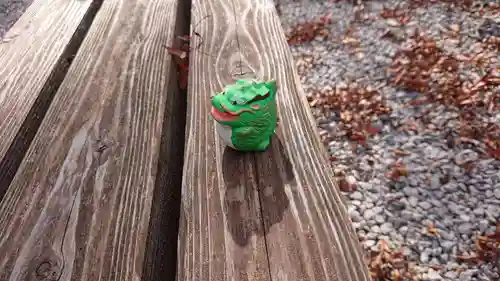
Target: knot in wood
x,y
102,149
47,271
246,74
239,69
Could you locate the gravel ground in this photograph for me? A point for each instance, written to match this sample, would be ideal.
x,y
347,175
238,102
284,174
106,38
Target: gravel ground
x,y
10,12
420,181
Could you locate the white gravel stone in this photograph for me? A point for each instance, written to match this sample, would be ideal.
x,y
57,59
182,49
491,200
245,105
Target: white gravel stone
x,y
434,275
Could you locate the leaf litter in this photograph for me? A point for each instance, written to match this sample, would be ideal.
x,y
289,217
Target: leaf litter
x,y
422,67
309,30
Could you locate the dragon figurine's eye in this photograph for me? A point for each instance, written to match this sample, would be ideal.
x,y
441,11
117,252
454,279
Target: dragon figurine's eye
x,y
237,101
259,97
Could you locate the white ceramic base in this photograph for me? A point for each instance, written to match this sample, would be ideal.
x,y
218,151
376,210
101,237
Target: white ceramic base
x,y
225,133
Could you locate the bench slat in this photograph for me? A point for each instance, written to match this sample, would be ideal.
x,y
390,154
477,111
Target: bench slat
x,y
307,231
79,208
314,240
33,58
220,235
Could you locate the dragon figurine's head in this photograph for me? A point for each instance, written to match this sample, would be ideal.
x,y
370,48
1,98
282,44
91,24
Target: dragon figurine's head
x,y
244,101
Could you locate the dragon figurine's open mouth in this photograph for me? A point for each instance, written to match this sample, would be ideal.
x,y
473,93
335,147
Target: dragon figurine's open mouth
x,y
227,115
222,116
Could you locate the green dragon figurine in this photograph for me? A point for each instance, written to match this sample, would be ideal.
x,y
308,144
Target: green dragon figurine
x,y
246,114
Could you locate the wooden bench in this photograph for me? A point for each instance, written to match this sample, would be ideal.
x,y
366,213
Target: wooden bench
x,y
89,195
34,56
275,215
93,128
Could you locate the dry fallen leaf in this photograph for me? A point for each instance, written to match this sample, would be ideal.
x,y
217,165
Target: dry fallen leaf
x,y
400,152
387,265
397,171
345,186
177,52
424,68
351,41
307,31
487,249
372,130
180,56
355,106
432,230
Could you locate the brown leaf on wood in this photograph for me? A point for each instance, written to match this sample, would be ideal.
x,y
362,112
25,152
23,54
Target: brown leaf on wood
x,y
177,52
180,56
183,78
185,38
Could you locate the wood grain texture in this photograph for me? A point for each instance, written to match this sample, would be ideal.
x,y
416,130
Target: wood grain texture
x,y
307,233
79,207
33,60
221,230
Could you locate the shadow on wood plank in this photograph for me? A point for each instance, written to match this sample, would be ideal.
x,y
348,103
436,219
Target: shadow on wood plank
x,y
237,197
274,173
280,171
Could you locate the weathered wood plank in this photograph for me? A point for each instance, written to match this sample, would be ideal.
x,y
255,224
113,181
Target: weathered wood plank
x,y
314,240
221,227
221,230
307,233
80,206
34,57
306,228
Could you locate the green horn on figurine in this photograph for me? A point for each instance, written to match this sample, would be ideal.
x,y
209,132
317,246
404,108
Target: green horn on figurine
x,y
246,114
